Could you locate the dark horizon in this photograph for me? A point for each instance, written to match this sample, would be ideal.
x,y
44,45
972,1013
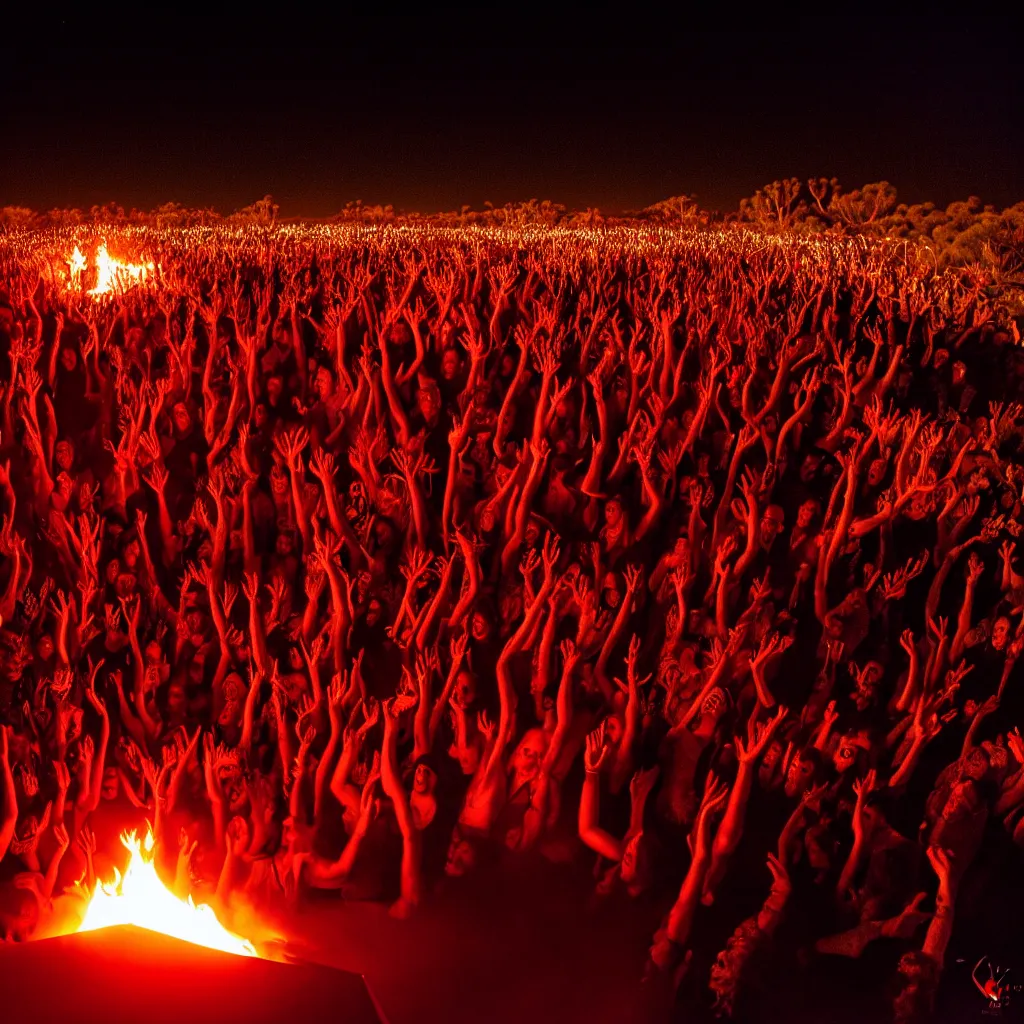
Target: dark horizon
x,y
433,126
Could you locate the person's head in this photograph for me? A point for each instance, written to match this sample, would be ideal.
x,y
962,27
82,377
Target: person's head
x,y
809,466
451,364
771,762
130,552
68,358
324,383
620,393
182,418
487,520
482,625
532,537
807,513
288,831
481,397
465,688
384,535
424,777
611,590
614,727
876,472
275,389
613,512
64,453
399,333
44,647
125,585
177,698
428,399
1000,633
526,760
374,610
772,523
848,751
802,772
462,854
195,619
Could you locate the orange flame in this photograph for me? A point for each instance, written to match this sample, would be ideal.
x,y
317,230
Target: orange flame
x,y
138,897
111,274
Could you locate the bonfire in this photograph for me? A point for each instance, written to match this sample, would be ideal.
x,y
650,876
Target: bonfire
x,y
112,275
139,898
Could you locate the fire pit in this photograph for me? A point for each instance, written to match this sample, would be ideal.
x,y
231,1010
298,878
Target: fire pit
x,y
139,898
123,972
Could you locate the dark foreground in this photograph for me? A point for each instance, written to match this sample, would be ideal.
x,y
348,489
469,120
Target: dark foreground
x,y
128,973
541,948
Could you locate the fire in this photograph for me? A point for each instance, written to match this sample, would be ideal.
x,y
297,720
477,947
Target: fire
x,y
111,274
139,898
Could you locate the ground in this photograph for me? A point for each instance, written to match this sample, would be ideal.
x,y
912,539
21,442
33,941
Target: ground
x,y
536,946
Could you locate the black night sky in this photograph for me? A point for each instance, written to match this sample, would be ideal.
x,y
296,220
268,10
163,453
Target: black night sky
x,y
429,116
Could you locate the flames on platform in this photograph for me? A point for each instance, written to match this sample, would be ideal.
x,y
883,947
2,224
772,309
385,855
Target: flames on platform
x,y
111,275
139,898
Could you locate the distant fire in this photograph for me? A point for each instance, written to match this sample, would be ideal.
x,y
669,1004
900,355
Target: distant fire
x,y
139,898
112,275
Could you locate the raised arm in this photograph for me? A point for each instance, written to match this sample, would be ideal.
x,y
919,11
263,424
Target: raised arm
x,y
591,834
10,797
680,917
727,839
411,880
862,788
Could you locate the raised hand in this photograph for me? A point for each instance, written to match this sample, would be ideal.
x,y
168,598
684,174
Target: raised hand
x,y
60,834
715,794
596,751
862,789
759,735
781,882
291,444
550,554
86,842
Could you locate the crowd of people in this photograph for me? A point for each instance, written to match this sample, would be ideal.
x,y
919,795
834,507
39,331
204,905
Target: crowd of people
x,y
352,563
